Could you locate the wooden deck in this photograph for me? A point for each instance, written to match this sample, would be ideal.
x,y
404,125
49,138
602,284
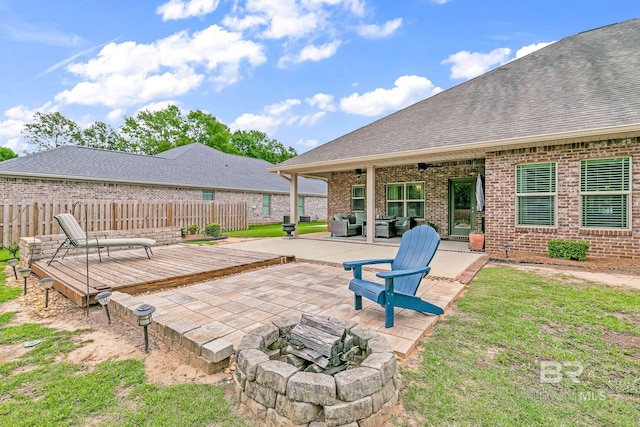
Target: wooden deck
x,y
130,271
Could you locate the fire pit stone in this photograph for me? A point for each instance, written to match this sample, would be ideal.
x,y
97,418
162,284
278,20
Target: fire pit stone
x,y
317,371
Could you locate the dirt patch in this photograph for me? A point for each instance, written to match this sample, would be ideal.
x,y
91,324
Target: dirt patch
x,y
101,342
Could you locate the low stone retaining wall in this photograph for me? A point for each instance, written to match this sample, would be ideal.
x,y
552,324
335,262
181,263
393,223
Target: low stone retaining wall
x,y
280,394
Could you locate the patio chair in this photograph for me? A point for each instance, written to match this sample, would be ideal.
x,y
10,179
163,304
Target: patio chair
x,y
411,264
345,226
77,238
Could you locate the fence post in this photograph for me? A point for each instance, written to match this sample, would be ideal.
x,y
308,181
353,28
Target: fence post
x,y
36,219
169,214
113,216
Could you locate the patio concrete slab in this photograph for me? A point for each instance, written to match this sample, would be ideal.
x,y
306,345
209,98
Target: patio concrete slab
x,y
452,259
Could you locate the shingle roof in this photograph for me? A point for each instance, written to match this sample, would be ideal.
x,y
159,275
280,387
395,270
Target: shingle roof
x,y
587,81
193,165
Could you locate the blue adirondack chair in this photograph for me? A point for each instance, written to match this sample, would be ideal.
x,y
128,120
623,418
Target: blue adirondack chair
x,y
411,264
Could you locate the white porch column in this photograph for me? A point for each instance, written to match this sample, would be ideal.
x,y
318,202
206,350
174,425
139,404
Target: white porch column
x,y
293,201
371,203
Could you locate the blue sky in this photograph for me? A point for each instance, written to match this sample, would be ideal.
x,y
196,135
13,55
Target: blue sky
x,y
303,71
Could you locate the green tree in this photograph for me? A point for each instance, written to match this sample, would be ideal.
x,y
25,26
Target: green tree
x,y
152,132
257,144
6,154
51,130
207,130
102,135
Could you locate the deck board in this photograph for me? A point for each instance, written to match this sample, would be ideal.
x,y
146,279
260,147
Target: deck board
x,y
130,271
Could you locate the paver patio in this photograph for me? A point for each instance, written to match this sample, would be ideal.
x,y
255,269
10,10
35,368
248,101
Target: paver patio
x,y
246,301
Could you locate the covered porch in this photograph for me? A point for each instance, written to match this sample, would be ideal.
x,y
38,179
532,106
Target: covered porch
x,y
447,194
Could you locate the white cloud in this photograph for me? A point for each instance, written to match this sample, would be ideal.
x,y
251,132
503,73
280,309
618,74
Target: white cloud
x,y
128,73
357,7
159,106
117,90
312,53
322,101
406,91
282,19
115,115
525,50
178,9
274,115
373,31
280,108
11,128
307,142
467,65
312,119
248,121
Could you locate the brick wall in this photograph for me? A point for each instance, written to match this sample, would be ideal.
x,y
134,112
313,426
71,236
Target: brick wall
x,y
501,201
436,189
18,188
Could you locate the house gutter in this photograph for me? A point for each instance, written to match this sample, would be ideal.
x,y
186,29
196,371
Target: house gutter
x,y
493,145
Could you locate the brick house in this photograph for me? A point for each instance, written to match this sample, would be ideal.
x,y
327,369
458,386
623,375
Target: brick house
x,y
554,137
189,172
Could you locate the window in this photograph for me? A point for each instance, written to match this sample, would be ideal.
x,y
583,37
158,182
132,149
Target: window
x,y
300,205
405,199
266,204
605,190
357,198
208,195
536,194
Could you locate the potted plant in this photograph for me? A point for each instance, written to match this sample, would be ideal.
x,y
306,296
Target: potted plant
x,y
476,241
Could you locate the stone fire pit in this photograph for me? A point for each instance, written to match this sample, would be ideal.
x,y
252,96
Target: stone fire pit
x,y
283,389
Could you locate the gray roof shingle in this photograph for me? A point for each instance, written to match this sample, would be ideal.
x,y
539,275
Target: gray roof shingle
x,y
587,81
193,165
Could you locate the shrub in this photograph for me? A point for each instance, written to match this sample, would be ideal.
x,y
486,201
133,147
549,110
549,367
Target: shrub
x,y
193,228
212,229
13,249
432,225
566,249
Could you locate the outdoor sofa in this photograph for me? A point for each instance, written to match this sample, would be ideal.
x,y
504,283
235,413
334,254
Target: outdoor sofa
x,y
346,225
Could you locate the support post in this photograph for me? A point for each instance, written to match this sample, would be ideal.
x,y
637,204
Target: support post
x,y
371,203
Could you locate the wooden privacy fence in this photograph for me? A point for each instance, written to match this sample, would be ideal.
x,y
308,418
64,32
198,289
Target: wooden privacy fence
x,y
28,218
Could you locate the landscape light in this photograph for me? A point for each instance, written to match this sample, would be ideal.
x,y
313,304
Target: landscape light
x,y
24,273
104,298
13,262
47,283
143,313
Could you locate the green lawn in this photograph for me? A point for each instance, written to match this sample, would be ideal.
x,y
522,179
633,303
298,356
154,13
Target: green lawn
x,y
509,353
41,389
275,230
5,254
480,367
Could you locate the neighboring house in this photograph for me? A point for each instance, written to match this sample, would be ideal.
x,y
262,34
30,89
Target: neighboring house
x,y
555,136
189,172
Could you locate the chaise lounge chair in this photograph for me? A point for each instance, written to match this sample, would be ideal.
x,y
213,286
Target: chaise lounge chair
x,y
77,238
411,264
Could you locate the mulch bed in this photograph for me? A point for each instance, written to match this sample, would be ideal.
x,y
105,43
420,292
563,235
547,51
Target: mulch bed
x,y
617,265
